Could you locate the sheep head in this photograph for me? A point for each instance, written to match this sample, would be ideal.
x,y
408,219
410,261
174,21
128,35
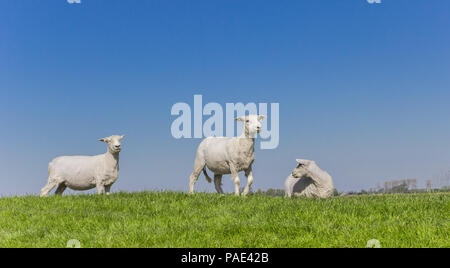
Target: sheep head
x,y
302,169
114,143
252,124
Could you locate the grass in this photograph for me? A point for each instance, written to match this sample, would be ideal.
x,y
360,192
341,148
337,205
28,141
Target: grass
x,y
168,219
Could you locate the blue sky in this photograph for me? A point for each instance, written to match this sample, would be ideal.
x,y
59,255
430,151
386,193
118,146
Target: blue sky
x,y
363,88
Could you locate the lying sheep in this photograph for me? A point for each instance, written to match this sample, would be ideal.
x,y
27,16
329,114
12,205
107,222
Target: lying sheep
x,y
309,180
85,172
228,156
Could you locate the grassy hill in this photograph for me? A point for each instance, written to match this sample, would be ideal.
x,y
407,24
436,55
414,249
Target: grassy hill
x,y
167,219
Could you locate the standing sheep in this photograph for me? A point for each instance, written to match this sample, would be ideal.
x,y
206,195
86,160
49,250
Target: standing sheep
x,y
85,172
224,155
309,180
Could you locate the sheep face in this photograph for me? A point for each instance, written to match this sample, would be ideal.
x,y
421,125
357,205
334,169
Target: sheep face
x,y
252,124
114,143
302,169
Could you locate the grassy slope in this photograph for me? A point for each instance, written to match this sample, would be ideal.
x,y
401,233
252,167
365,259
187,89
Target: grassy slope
x,y
152,219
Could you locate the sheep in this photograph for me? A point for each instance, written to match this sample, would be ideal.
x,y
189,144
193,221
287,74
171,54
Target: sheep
x,y
85,172
309,180
228,155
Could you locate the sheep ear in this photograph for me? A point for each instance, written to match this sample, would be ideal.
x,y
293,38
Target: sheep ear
x,y
104,140
302,161
123,136
261,117
240,119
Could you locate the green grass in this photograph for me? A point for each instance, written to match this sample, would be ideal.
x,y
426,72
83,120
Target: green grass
x,y
166,219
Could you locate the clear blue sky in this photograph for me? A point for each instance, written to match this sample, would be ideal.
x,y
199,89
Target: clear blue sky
x,y
363,89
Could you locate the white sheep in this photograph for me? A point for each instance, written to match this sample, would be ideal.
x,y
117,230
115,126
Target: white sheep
x,y
85,172
231,155
309,180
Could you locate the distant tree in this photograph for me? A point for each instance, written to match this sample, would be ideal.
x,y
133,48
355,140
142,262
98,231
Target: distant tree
x,y
335,192
275,192
402,188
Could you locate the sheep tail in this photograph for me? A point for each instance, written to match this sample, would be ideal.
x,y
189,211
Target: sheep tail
x,y
208,178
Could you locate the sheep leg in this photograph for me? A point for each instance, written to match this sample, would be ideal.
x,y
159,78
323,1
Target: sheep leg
x,y
249,175
237,184
108,189
61,188
100,189
235,177
218,183
48,187
198,168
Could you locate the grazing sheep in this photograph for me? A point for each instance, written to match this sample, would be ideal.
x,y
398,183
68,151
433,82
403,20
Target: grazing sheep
x,y
228,156
85,172
309,180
